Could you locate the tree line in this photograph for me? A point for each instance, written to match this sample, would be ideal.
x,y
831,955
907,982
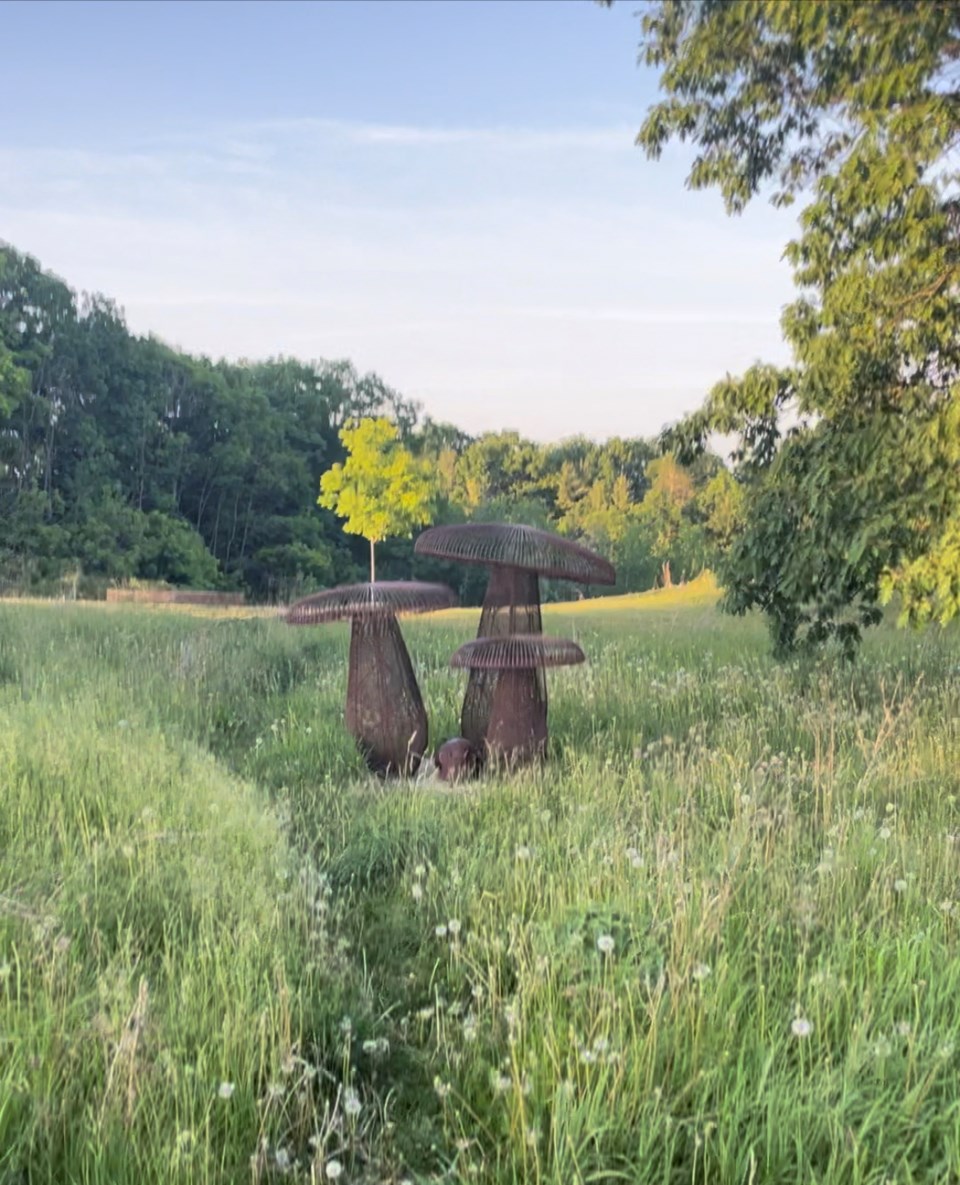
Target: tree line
x,y
123,460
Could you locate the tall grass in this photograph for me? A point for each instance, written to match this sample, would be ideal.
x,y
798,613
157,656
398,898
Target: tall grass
x,y
713,940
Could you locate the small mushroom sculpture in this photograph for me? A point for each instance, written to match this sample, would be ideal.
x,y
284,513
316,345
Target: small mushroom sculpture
x,y
517,727
517,557
385,713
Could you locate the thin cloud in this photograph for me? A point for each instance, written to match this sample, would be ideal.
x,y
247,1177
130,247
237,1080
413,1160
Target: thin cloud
x,y
652,316
563,289
504,138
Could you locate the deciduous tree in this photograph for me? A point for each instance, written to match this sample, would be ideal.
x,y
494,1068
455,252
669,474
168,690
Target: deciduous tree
x,y
855,108
381,489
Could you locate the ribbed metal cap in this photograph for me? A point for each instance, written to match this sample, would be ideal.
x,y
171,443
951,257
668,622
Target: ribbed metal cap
x,y
381,599
517,652
511,546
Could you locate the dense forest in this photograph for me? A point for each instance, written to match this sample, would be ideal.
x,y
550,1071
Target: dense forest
x,y
123,460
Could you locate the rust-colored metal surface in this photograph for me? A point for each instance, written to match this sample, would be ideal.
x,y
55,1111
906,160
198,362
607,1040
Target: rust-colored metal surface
x,y
515,687
513,546
347,601
384,712
517,557
457,760
511,606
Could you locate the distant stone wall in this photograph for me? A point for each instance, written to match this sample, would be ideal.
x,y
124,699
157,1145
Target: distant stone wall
x,y
173,596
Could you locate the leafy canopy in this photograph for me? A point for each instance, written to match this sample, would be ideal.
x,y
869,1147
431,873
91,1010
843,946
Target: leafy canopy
x,y
381,489
856,107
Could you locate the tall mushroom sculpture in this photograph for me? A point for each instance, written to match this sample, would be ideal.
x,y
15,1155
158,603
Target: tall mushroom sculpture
x,y
517,727
517,557
385,713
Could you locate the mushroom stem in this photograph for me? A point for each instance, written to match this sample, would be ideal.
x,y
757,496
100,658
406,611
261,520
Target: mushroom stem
x,y
385,712
517,731
511,606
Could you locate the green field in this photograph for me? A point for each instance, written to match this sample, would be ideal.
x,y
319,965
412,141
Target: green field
x,y
714,940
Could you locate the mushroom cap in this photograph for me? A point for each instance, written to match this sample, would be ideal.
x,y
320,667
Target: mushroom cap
x,y
512,546
517,652
384,598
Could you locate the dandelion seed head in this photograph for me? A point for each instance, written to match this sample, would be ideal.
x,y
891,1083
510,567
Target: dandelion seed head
x,y
351,1103
882,1047
606,944
441,931
226,1089
701,972
453,928
801,1027
900,885
333,1169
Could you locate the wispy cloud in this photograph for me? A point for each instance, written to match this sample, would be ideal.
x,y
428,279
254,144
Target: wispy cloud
x,y
655,316
540,278
619,137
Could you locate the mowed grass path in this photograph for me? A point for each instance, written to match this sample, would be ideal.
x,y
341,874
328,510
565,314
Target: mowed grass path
x,y
715,939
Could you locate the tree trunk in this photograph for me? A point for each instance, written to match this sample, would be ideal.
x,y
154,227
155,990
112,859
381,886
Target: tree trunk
x,y
373,563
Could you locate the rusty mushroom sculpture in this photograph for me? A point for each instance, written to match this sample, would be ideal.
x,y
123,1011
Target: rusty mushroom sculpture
x,y
517,557
517,728
385,713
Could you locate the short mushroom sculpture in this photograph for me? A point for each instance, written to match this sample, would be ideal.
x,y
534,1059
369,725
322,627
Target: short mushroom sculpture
x,y
517,557
516,731
385,713
456,760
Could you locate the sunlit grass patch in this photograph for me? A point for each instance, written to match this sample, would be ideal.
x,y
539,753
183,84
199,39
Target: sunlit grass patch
x,y
713,939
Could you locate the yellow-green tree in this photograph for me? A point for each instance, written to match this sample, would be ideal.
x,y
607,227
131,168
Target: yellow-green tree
x,y
381,489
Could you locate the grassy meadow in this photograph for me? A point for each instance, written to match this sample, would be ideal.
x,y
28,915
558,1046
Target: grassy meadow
x,y
715,939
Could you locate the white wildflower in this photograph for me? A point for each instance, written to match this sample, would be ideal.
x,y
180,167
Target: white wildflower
x,y
605,944
801,1027
441,931
226,1090
333,1169
900,885
453,928
351,1103
701,972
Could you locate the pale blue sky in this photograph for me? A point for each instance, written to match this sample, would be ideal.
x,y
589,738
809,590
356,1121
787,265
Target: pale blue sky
x,y
444,192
